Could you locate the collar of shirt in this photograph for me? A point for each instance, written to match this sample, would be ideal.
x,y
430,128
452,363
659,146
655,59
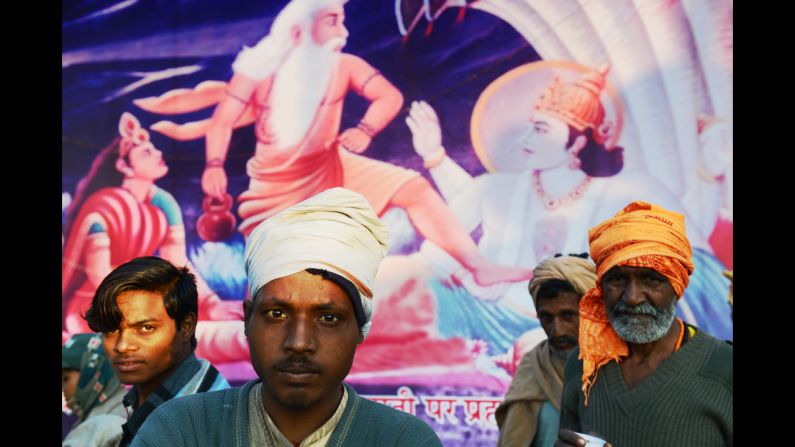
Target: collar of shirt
x,y
318,438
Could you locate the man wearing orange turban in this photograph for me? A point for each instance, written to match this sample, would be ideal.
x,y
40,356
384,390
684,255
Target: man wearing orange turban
x,y
641,376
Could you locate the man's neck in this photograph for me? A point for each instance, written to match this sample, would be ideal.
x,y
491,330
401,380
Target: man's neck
x,y
645,358
144,390
560,180
663,347
297,424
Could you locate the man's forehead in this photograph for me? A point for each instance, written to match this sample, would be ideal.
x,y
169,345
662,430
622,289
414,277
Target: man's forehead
x,y
304,289
630,270
139,295
138,302
319,301
564,299
334,11
538,118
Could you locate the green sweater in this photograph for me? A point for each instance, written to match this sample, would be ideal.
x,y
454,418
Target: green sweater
x,y
687,401
221,419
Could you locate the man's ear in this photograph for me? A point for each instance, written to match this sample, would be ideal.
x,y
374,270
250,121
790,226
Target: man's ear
x,y
246,309
125,169
188,328
578,144
295,33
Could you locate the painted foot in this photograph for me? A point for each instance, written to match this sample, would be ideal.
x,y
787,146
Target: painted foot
x,y
489,273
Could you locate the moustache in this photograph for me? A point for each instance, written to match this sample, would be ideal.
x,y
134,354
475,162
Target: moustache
x,y
622,308
563,341
335,42
298,365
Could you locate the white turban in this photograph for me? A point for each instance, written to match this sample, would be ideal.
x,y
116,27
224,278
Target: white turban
x,y
336,230
579,272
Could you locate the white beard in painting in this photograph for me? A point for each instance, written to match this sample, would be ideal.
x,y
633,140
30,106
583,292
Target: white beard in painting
x,y
298,87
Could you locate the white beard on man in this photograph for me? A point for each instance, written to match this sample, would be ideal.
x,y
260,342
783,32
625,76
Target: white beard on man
x,y
299,85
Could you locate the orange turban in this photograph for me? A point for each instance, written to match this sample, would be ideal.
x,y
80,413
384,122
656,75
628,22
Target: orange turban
x,y
640,235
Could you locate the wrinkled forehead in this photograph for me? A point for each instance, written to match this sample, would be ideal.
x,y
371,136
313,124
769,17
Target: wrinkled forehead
x,y
563,300
307,288
626,270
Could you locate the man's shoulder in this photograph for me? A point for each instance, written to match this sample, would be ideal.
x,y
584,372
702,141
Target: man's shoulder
x,y
527,364
200,402
573,369
492,186
528,379
195,419
103,429
388,423
538,347
499,180
108,194
351,58
209,378
709,338
719,366
353,62
210,404
385,412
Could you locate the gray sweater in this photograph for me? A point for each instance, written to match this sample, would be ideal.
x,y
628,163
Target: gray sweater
x,y
687,401
221,419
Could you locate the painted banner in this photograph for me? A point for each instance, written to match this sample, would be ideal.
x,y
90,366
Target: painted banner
x,y
485,133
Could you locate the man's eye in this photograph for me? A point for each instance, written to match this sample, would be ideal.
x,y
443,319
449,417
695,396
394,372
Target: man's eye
x,y
329,318
276,313
147,328
653,281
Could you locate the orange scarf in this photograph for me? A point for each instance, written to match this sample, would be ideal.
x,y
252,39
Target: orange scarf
x,y
640,235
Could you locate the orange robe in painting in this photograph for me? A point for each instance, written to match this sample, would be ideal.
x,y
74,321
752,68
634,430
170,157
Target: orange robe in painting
x,y
282,177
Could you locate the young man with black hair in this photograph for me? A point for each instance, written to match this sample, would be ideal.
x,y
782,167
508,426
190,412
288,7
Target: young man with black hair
x,y
147,310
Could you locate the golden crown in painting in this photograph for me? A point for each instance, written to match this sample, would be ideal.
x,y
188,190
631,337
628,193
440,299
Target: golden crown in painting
x,y
577,103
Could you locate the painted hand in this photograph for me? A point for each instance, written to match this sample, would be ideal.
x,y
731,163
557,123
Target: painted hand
x,y
214,182
355,140
425,130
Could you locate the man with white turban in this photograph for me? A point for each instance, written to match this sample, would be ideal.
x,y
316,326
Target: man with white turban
x,y
529,414
310,268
